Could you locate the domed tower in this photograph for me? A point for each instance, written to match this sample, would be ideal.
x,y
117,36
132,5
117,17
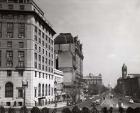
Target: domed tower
x,y
124,71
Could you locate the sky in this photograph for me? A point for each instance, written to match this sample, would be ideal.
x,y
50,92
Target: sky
x,y
108,29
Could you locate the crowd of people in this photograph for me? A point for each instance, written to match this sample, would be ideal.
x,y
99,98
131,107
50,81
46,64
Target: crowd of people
x,y
76,109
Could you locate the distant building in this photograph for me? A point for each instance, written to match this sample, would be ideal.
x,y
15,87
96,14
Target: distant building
x,y
129,84
69,58
92,79
26,54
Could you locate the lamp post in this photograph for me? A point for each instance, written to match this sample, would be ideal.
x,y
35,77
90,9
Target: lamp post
x,y
55,92
24,85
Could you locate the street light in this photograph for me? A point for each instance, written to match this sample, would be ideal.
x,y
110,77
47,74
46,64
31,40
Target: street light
x,y
55,92
24,85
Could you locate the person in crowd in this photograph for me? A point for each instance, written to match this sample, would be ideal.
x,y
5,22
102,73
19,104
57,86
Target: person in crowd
x,y
130,110
121,110
110,110
104,110
93,109
76,110
85,110
66,110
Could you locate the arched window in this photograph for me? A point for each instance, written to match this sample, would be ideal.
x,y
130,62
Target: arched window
x,y
39,89
42,89
46,89
8,89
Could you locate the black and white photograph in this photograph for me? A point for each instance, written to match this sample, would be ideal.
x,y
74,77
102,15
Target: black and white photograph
x,y
69,56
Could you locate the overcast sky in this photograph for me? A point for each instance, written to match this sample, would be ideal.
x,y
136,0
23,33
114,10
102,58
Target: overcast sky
x,y
108,29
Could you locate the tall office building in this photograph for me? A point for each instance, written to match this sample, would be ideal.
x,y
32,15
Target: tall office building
x,y
26,54
69,59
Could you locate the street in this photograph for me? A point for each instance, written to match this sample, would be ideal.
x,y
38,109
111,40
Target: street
x,y
105,101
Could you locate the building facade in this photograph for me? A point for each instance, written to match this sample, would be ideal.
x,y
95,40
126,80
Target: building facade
x,y
92,79
129,84
59,91
26,54
69,59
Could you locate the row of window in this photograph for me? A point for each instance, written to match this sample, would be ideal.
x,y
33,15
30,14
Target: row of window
x,y
47,90
43,51
9,58
15,1
43,90
10,44
46,45
13,16
43,67
10,30
43,59
11,6
40,34
43,75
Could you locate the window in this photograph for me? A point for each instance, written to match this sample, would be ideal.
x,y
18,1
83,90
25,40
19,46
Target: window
x,y
35,56
9,44
43,67
42,59
39,66
39,32
21,44
21,30
49,89
46,45
46,68
9,57
42,35
39,49
35,29
42,89
46,89
52,91
35,63
22,7
35,92
10,28
39,74
10,6
43,51
9,89
39,58
35,73
9,73
20,92
20,73
35,46
20,58
9,34
35,38
39,89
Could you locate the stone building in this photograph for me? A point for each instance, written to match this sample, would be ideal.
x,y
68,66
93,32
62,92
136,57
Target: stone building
x,y
26,54
129,84
69,59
